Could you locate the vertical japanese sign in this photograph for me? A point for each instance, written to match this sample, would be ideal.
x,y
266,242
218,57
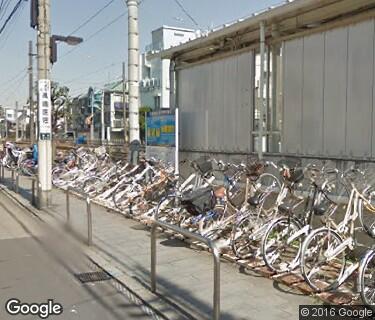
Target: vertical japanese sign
x,y
45,106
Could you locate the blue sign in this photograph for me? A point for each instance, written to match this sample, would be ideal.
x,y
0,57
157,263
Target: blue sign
x,y
161,129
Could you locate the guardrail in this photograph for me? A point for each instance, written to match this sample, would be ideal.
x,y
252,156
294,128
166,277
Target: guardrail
x,y
211,244
88,211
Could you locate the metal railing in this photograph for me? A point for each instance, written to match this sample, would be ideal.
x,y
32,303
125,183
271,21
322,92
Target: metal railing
x,y
15,183
88,211
208,242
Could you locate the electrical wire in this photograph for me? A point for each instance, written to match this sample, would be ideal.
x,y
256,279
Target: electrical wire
x,y
16,7
5,6
187,13
87,21
13,78
16,87
93,35
92,73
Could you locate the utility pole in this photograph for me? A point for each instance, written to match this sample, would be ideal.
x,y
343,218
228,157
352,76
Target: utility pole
x,y
133,66
44,104
124,99
17,122
31,94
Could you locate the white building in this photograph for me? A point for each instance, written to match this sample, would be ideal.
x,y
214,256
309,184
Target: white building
x,y
154,72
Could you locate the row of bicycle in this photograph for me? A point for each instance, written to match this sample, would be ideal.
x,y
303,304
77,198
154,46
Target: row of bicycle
x,y
25,160
309,218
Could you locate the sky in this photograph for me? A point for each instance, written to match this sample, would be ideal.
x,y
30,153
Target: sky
x,y
98,59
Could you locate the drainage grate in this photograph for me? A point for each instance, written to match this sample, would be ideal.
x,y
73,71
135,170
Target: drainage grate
x,y
93,276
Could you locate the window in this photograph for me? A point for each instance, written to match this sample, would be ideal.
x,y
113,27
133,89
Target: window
x,y
178,34
157,102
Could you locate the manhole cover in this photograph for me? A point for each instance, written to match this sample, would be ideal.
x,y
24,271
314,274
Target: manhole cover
x,y
92,276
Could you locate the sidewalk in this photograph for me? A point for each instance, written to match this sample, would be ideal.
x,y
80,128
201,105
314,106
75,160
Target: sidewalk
x,y
184,276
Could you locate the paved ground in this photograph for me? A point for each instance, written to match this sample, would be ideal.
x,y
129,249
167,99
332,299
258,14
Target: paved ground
x,y
184,275
36,265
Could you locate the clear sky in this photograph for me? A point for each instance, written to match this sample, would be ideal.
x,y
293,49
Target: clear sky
x,y
98,60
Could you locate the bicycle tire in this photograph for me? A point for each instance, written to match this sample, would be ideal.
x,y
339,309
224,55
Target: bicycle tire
x,y
330,272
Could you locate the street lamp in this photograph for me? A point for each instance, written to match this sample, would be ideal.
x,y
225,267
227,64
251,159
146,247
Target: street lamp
x,y
70,40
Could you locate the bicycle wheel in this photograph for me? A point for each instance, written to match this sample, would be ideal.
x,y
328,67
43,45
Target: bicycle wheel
x,y
366,210
280,251
322,273
240,238
93,185
366,279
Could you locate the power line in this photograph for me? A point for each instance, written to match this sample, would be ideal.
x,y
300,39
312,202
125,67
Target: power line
x,y
13,78
1,4
99,31
16,7
91,73
92,17
5,6
17,85
187,13
95,33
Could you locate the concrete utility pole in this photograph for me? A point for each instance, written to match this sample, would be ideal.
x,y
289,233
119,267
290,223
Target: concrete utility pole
x,y
44,104
17,122
124,99
133,66
31,94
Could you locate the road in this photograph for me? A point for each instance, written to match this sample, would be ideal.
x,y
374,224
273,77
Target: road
x,y
37,264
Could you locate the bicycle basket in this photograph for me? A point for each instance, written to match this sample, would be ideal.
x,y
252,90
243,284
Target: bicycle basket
x,y
198,201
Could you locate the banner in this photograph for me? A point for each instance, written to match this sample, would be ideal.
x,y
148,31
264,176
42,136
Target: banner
x,y
45,109
161,129
162,136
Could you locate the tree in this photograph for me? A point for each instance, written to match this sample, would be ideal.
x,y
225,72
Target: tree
x,y
61,103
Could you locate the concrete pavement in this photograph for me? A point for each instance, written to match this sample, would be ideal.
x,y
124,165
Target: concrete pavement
x,y
37,264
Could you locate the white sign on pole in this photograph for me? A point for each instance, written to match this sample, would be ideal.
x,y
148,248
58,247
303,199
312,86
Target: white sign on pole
x,y
45,107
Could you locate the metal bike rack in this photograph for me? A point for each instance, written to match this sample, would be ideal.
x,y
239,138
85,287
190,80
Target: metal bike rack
x,y
88,210
211,244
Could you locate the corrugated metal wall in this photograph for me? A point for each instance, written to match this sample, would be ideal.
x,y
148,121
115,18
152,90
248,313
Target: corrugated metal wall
x,y
216,103
328,92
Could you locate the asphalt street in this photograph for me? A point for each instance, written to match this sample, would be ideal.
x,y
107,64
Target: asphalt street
x,y
37,264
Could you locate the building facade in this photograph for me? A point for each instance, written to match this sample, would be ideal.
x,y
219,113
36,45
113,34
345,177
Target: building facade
x,y
318,84
154,72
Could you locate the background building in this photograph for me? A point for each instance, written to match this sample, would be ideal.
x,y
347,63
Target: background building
x,y
154,84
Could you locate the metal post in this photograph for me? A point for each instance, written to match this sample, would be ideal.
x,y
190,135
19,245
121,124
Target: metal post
x,y
214,249
89,221
172,104
133,77
17,181
45,131
124,100
33,192
102,119
67,206
92,117
153,258
12,178
261,89
17,122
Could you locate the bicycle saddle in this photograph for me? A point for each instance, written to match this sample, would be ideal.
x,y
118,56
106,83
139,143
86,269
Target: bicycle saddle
x,y
254,200
320,209
286,208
